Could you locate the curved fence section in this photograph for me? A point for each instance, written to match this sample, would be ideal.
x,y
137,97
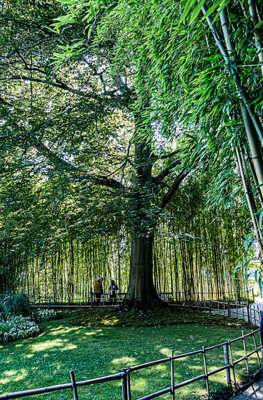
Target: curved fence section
x,y
228,365
248,312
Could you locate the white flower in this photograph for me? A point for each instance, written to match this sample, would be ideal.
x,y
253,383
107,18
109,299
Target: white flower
x,y
17,327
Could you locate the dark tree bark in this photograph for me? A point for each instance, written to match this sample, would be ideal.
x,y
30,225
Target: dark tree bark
x,y
141,290
147,197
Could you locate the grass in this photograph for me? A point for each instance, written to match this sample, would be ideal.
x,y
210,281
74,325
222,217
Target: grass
x,y
102,349
111,316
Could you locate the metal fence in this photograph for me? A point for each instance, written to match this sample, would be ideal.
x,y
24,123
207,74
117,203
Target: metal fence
x,y
125,375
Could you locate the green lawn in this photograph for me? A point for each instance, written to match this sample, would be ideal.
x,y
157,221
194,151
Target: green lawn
x,y
98,351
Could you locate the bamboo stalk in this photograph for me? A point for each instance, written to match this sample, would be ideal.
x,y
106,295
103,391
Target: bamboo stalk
x,y
257,38
248,198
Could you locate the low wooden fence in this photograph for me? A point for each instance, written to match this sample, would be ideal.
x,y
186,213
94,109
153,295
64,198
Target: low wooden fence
x,y
125,375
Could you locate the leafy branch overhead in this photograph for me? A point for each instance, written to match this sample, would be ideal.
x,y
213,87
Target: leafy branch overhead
x,y
115,105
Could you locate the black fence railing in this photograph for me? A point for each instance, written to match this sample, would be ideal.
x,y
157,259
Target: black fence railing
x,y
229,366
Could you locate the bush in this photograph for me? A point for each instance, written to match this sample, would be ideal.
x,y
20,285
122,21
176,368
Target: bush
x,y
3,297
16,305
44,314
17,327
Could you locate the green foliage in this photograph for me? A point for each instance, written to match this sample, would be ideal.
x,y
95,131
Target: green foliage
x,y
131,79
17,327
40,315
18,304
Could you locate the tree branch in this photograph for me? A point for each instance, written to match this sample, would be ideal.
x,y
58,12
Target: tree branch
x,y
54,158
27,24
159,178
167,155
65,165
168,196
58,84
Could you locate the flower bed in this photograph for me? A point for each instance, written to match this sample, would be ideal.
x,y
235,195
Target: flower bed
x,y
17,327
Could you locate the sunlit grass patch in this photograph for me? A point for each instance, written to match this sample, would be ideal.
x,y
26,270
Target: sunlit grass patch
x,y
99,351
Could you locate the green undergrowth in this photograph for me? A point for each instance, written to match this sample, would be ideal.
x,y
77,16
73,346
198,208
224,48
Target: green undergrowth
x,y
94,351
171,316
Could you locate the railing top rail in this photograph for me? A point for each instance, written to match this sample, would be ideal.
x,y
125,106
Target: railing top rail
x,y
149,364
30,392
244,336
232,340
63,386
191,353
215,346
176,357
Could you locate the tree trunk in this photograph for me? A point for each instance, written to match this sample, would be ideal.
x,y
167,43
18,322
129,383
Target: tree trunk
x,y
141,291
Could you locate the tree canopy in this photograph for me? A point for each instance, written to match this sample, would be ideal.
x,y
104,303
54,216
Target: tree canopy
x,y
107,106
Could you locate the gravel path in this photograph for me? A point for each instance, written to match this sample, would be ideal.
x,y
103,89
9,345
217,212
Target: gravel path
x,y
255,391
240,313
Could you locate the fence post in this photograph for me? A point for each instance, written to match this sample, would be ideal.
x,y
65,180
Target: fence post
x,y
226,355
128,384
205,368
228,309
231,363
124,384
255,344
245,349
74,386
172,374
248,312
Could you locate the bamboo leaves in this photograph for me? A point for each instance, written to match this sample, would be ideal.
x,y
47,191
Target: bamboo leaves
x,y
194,8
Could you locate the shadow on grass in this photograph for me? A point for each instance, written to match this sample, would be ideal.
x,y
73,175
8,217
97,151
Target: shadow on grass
x,y
92,352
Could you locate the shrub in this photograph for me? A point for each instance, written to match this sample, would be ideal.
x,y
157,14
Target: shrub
x,y
17,327
16,305
44,314
3,297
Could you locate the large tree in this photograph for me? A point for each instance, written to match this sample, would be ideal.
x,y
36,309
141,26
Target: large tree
x,y
88,122
202,58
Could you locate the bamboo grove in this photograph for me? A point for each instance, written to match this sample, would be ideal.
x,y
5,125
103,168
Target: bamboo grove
x,y
110,111
195,254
